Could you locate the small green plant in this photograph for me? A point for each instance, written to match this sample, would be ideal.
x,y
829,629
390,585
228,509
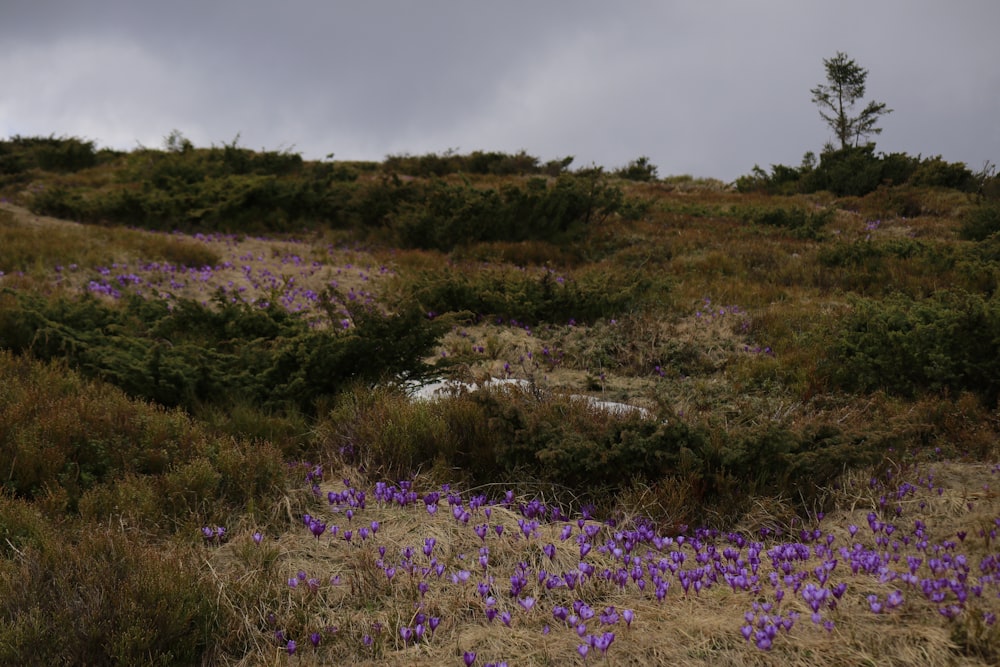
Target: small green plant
x,y
980,222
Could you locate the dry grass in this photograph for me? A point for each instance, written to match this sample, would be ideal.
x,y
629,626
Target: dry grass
x,y
712,375
683,629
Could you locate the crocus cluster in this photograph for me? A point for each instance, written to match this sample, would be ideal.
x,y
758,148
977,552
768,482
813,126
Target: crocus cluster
x,y
285,279
784,577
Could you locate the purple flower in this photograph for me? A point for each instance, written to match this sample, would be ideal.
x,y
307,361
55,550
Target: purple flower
x,y
317,528
469,657
894,600
290,647
603,642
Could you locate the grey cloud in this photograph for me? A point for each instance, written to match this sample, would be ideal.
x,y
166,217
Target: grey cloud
x,y
706,88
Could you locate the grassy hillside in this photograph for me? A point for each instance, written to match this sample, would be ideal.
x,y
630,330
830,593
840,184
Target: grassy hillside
x,y
688,423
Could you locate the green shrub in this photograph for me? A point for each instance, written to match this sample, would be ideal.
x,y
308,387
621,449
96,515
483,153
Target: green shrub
x,y
949,342
934,172
477,162
639,169
781,180
64,154
980,222
529,296
800,222
849,171
183,353
450,215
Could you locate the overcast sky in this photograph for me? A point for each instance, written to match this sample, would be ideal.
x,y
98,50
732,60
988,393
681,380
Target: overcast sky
x,y
702,87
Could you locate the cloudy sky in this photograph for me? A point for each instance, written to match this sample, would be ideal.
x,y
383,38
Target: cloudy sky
x,y
702,87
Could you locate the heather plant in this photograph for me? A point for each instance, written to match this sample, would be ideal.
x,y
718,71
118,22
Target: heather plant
x,y
108,455
110,599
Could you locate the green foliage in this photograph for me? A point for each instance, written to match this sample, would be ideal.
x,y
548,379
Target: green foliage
x,y
186,354
797,220
845,86
639,169
857,171
529,296
581,453
980,222
854,170
478,162
781,180
934,172
21,525
234,189
64,154
949,342
449,215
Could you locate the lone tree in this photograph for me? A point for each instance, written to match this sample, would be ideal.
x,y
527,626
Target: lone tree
x,y
846,85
